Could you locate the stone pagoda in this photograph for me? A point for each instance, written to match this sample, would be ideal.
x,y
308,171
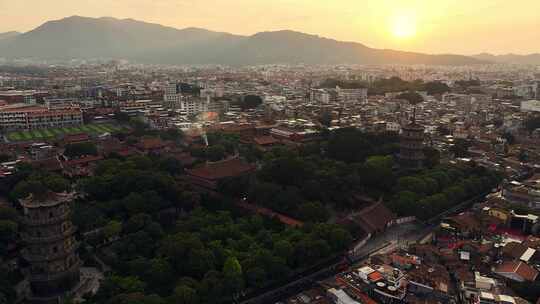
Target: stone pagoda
x,y
50,247
411,154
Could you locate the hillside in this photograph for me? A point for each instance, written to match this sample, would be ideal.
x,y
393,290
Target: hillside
x,y
82,37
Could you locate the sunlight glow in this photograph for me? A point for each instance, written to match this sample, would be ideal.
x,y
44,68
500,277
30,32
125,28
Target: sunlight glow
x,y
403,26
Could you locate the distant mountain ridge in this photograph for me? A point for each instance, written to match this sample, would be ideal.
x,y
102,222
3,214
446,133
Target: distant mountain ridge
x,y
8,35
510,58
107,37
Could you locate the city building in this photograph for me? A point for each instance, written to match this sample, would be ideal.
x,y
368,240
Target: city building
x,y
29,117
530,106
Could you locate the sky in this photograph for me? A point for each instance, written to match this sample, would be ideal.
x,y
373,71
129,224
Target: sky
x,y
431,26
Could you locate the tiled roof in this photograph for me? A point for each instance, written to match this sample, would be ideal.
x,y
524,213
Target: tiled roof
x,y
519,268
150,143
223,169
514,250
83,160
374,217
265,140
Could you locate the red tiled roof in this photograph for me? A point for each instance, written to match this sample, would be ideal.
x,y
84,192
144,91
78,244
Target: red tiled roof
x,y
374,218
465,221
83,160
521,269
151,143
223,169
267,212
375,276
126,151
265,140
515,250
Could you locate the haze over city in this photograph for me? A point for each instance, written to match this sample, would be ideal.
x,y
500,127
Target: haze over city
x,y
444,26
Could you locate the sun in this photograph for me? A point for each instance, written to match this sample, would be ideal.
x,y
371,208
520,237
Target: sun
x,y
403,26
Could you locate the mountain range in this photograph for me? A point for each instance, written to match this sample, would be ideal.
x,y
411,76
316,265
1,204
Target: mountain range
x,y
106,37
510,58
8,35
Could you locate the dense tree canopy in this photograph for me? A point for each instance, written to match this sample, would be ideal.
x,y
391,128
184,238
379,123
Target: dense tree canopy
x,y
251,101
412,97
80,149
333,83
210,256
532,123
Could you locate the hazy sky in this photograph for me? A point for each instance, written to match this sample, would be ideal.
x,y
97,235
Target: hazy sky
x,y
434,26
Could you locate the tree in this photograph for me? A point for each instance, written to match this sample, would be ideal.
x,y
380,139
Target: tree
x,y
349,145
433,157
184,295
333,83
8,233
468,83
25,188
412,184
377,172
460,148
251,102
56,183
532,123
7,213
112,230
443,130
4,157
283,249
171,165
256,277
232,271
172,134
405,203
339,239
326,119
215,152
212,287
393,84
80,149
412,97
113,285
436,87
313,212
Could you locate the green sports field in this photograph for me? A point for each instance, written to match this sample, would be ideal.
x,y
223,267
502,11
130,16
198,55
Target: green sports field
x,y
56,132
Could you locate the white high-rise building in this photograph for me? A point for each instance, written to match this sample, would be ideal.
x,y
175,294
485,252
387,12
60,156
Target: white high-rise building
x,y
193,105
171,96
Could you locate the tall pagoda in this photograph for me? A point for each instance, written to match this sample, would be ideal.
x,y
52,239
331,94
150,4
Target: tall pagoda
x,y
50,247
411,154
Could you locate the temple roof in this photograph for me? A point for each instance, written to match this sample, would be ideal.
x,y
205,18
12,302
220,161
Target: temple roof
x,y
222,169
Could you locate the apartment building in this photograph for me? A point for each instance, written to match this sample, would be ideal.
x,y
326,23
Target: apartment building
x,y
29,117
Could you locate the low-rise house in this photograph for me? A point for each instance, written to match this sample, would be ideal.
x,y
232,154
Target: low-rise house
x,y
517,271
